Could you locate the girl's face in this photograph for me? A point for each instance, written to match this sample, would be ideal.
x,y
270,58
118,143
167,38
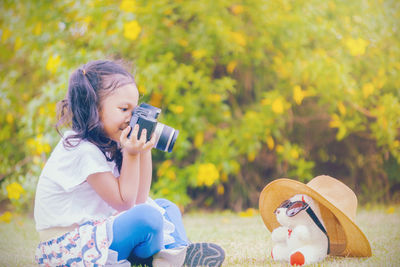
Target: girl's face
x,y
116,110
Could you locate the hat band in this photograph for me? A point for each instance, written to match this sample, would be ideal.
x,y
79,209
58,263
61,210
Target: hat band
x,y
314,217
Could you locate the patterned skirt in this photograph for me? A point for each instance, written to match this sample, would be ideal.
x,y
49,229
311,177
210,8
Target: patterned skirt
x,y
87,245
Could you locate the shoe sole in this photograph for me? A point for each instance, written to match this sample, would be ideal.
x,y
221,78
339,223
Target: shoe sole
x,y
204,254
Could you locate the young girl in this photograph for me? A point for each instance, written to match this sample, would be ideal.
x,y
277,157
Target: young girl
x,y
92,205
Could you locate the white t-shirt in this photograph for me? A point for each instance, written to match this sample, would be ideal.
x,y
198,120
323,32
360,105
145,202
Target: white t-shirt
x,y
63,196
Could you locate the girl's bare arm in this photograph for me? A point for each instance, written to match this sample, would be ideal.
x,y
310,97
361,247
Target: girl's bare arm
x,y
123,192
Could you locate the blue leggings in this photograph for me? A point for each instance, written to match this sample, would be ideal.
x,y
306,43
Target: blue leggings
x,y
138,232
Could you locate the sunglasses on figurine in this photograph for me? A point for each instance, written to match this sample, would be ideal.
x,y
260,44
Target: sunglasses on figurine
x,y
293,208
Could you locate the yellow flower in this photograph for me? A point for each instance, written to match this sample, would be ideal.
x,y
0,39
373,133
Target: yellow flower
x,y
207,174
266,102
335,122
247,136
220,189
250,212
368,89
177,109
237,9
396,144
38,145
379,81
239,38
277,106
332,6
25,97
37,160
251,115
128,5
281,67
52,109
9,118
298,94
155,99
37,30
164,167
280,149
224,177
183,42
390,210
270,142
87,20
342,108
227,114
198,139
357,46
215,98
171,175
142,90
132,30
14,190
165,191
168,11
18,43
286,5
39,149
31,143
46,148
53,63
231,66
6,217
199,53
251,156
41,110
294,153
111,31
6,33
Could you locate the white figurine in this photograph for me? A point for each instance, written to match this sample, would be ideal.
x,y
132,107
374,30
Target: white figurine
x,y
301,238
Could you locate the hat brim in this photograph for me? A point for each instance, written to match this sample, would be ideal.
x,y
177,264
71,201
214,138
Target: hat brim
x,y
345,236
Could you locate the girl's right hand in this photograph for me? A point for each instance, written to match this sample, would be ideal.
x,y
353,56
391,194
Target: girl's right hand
x,y
132,145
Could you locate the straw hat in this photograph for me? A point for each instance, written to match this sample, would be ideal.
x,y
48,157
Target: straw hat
x,y
338,205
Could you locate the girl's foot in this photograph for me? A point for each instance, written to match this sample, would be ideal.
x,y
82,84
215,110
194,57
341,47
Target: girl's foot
x,y
204,254
170,257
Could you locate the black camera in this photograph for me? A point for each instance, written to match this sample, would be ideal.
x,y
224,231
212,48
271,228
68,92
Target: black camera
x,y
146,116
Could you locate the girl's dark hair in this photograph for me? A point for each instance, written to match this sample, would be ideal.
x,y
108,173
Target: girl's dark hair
x,y
80,110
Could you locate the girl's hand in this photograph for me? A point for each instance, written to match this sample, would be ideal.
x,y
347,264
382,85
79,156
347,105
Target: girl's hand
x,y
133,145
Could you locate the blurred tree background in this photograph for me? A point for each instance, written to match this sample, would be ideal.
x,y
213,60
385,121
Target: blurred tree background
x,y
259,89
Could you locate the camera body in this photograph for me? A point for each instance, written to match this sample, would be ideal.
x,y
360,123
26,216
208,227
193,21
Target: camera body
x,y
146,116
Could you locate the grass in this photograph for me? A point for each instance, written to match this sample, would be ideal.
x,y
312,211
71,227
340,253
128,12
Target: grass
x,y
246,240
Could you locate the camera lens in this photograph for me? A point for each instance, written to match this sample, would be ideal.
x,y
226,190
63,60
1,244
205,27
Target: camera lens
x,y
166,137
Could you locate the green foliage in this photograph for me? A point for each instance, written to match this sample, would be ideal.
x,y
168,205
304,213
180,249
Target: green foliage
x,y
258,89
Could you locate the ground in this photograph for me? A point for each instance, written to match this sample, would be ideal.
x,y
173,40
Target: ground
x,y
246,240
